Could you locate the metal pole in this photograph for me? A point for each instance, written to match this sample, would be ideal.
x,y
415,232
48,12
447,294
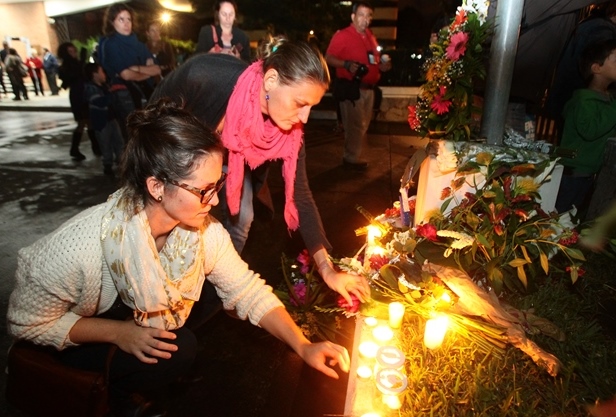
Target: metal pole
x,y
502,58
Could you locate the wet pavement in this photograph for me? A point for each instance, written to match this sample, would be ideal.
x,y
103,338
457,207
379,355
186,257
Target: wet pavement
x,y
249,373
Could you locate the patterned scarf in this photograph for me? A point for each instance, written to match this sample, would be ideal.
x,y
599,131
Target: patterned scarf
x,y
161,288
252,140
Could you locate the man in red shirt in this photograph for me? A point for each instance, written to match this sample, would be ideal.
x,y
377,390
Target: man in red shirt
x,y
353,52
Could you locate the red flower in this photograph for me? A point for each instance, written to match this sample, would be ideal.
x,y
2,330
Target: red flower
x,y
580,271
457,46
413,118
428,231
377,261
569,237
392,212
439,104
412,203
351,308
304,260
460,19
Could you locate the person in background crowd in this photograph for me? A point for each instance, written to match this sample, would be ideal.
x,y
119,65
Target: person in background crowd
x,y
163,52
102,117
16,70
35,65
129,272
127,62
71,75
260,110
50,66
2,57
354,53
223,37
599,26
590,119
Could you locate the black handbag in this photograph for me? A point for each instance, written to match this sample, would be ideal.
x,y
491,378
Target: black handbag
x,y
39,384
344,89
140,91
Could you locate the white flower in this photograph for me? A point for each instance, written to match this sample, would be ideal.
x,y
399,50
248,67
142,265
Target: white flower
x,y
479,7
401,237
351,265
446,159
462,240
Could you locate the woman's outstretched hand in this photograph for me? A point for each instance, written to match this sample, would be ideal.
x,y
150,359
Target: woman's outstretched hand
x,y
346,284
325,355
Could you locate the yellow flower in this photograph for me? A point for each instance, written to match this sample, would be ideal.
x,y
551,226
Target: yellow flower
x,y
526,185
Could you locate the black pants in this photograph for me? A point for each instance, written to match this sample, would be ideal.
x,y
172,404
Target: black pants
x,y
127,374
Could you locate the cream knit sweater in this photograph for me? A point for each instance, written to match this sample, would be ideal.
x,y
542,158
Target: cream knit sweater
x,y
63,277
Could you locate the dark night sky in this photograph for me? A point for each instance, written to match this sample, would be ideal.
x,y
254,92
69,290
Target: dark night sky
x,y
416,18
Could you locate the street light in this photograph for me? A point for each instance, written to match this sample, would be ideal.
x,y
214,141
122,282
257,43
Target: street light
x,y
165,17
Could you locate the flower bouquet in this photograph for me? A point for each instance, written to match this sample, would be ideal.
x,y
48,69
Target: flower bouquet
x,y
445,107
316,309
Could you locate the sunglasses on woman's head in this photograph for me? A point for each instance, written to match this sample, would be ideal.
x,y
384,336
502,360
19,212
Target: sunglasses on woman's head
x,y
204,194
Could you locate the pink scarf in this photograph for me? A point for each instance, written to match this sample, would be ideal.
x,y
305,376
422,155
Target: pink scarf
x,y
252,140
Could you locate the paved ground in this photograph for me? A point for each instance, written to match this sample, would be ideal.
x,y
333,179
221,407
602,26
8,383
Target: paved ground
x,y
248,372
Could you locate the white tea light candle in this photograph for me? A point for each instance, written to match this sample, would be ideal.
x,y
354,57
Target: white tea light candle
x,y
435,331
382,333
392,401
364,372
371,321
368,349
396,314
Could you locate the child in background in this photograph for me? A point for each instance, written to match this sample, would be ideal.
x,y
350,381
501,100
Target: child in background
x,y
102,119
590,119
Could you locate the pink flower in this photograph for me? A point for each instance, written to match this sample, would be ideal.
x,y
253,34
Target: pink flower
x,y
457,46
428,231
351,308
413,119
300,293
304,259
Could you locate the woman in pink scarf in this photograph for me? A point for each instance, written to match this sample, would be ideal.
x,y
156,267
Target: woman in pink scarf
x,y
260,111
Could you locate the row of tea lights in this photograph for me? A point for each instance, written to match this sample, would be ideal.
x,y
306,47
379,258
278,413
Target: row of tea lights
x,y
389,360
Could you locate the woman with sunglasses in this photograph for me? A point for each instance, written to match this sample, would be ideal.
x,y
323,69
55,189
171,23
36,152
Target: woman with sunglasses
x,y
261,110
129,273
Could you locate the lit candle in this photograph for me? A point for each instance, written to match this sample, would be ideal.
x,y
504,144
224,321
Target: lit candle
x,y
364,372
373,233
392,401
368,349
383,333
435,331
396,313
371,321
